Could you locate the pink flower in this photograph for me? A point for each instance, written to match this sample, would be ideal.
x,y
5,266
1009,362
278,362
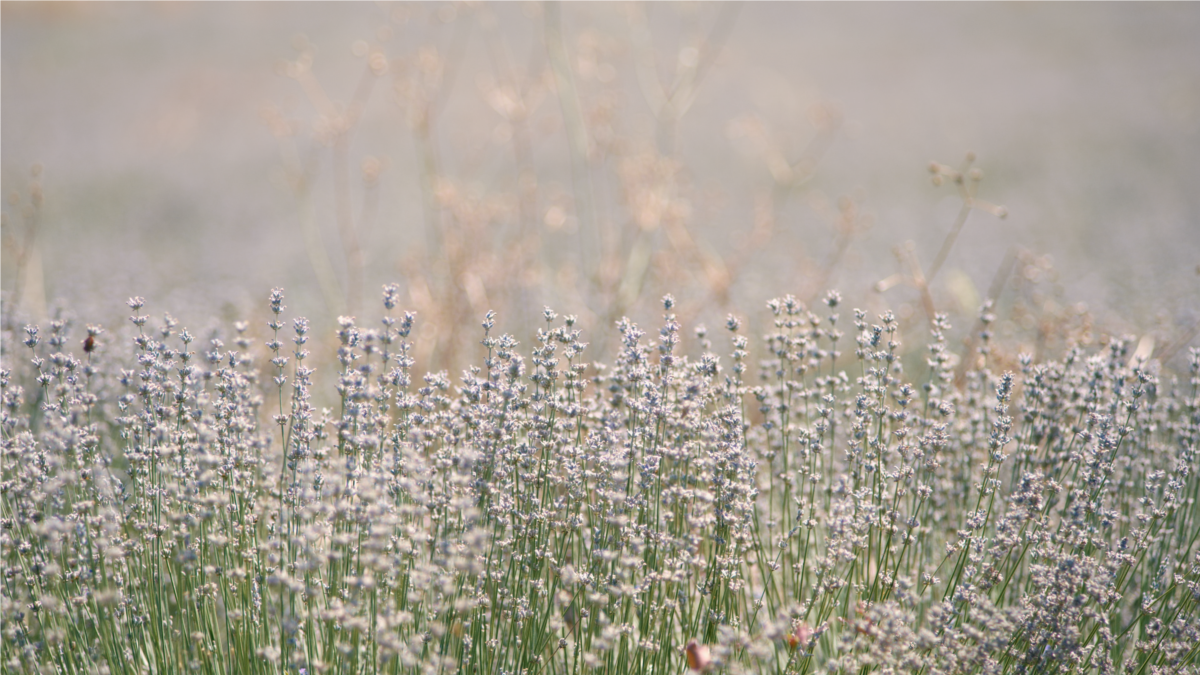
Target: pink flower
x,y
699,658
800,636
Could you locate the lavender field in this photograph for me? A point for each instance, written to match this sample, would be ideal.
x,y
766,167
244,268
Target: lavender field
x,y
559,382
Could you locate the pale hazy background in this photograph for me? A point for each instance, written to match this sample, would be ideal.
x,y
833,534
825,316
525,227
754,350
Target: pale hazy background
x,y
162,177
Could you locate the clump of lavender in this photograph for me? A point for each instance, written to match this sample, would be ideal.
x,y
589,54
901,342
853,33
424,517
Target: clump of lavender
x,y
177,503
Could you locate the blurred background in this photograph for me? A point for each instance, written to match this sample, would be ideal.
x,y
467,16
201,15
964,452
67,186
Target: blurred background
x,y
593,157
